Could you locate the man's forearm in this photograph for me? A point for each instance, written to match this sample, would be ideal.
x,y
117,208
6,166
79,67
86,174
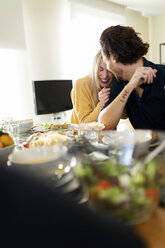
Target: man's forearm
x,y
111,115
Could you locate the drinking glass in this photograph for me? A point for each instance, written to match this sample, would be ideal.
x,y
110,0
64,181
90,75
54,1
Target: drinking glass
x,y
5,123
90,133
15,132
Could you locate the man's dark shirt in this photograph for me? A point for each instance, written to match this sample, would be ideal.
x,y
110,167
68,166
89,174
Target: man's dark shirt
x,y
147,112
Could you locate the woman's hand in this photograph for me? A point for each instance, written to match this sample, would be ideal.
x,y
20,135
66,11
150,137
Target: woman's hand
x,y
103,96
142,75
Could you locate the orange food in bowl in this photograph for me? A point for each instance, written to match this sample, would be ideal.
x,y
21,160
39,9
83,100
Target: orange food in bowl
x,y
1,144
37,160
6,140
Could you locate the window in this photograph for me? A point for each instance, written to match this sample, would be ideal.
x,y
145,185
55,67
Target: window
x,y
14,84
88,22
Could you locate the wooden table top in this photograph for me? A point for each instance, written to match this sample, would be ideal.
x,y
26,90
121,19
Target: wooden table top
x,y
153,230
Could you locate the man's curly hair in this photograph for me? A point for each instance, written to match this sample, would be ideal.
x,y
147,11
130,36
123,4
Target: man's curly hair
x,y
124,43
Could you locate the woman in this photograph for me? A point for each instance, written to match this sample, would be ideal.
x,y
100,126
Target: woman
x,y
90,93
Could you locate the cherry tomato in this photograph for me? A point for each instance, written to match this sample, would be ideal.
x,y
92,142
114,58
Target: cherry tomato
x,y
152,193
26,145
104,184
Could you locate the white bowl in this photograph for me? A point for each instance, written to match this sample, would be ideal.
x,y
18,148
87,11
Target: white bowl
x,y
39,161
4,153
24,125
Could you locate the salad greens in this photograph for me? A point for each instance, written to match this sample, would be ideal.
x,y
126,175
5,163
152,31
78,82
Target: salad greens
x,y
113,187
47,125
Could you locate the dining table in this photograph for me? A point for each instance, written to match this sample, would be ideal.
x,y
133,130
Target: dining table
x,y
152,231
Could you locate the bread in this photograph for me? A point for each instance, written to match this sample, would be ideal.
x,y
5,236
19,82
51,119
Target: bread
x,y
59,126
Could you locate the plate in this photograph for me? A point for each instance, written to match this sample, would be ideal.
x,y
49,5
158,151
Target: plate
x,y
67,131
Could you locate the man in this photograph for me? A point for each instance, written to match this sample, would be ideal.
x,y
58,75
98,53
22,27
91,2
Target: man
x,y
139,84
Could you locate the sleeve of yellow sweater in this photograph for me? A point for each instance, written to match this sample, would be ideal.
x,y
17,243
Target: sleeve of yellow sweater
x,y
83,102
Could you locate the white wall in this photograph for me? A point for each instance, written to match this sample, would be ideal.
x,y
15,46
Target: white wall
x,y
139,23
151,29
11,25
157,35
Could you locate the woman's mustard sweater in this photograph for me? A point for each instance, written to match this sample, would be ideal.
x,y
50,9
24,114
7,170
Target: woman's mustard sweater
x,y
84,108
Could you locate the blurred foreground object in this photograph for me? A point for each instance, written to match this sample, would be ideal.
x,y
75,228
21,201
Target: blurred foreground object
x,y
34,215
129,193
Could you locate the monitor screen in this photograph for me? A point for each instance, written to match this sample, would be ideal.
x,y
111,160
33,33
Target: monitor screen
x,y
52,96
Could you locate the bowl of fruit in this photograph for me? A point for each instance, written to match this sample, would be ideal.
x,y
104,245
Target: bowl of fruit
x,y
6,146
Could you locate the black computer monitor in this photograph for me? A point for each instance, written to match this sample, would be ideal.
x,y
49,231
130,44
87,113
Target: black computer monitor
x,y
52,96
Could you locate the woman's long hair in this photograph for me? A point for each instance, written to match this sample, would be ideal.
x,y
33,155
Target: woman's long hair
x,y
95,82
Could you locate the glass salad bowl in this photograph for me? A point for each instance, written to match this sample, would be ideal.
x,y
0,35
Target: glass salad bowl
x,y
131,194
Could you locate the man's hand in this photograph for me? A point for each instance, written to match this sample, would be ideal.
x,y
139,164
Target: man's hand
x,y
103,96
142,75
